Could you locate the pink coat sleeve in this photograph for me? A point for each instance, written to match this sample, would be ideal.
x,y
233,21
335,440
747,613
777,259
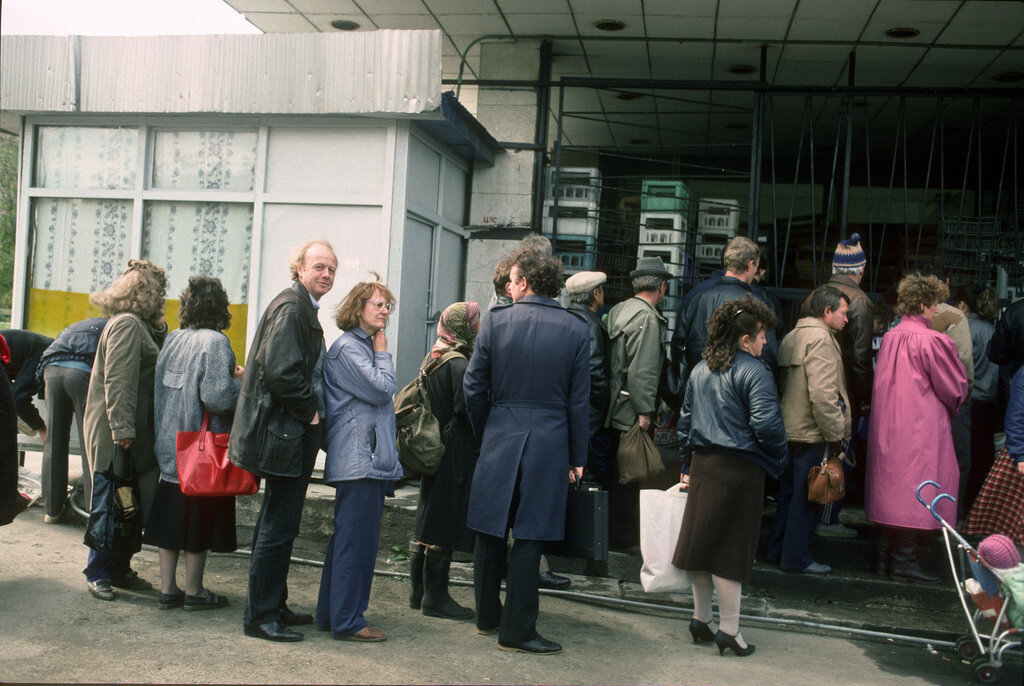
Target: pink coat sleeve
x,y
946,372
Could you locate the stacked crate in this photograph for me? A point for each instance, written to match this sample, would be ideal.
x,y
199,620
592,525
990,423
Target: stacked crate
x,y
718,220
664,223
969,248
578,194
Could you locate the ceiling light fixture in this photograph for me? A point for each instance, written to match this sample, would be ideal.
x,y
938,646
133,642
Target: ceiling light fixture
x,y
741,69
344,25
1009,77
902,32
609,25
628,95
640,141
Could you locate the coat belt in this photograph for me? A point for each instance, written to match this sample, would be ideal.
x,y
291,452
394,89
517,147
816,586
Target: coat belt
x,y
531,404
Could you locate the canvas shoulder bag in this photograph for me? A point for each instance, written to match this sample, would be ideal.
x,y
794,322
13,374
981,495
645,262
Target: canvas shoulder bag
x,y
420,445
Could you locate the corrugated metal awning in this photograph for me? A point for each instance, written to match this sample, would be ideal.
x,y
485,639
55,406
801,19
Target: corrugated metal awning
x,y
460,130
369,72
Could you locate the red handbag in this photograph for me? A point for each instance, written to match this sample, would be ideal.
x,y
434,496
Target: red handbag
x,y
203,466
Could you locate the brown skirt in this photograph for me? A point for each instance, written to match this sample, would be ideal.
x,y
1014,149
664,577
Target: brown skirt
x,y
722,519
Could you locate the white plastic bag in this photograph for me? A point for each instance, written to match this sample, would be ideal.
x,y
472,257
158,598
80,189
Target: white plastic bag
x,y
661,518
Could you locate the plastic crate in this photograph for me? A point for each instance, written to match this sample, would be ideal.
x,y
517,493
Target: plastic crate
x,y
718,216
664,195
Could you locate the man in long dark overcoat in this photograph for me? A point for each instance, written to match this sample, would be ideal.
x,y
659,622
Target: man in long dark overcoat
x,y
527,392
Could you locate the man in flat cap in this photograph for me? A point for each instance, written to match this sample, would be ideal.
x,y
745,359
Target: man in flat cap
x,y
636,331
586,296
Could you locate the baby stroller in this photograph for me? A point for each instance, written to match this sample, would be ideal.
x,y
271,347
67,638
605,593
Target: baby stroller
x,y
997,596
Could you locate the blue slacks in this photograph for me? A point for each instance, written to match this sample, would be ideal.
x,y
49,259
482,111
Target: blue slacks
x,y
795,517
351,554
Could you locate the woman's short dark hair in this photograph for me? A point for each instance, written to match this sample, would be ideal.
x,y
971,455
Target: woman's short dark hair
x,y
825,297
543,273
731,322
204,305
980,300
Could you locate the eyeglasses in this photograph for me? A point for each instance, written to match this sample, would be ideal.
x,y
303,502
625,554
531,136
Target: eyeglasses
x,y
381,305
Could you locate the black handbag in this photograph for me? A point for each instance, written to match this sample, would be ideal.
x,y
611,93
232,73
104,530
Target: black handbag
x,y
586,525
115,522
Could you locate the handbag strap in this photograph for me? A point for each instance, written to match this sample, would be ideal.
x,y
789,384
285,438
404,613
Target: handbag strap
x,y
204,430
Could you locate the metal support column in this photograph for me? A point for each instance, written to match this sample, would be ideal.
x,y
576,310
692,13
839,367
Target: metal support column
x,y
753,205
540,135
555,175
851,71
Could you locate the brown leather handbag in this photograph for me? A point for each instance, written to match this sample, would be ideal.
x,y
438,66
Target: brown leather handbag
x,y
826,482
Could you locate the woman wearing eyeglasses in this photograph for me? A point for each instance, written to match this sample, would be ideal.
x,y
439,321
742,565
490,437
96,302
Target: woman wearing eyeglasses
x,y
362,457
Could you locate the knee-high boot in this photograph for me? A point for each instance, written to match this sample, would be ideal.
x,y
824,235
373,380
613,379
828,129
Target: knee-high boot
x,y
906,544
883,549
416,556
436,600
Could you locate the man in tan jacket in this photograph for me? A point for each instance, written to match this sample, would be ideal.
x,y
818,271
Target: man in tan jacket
x,y
816,412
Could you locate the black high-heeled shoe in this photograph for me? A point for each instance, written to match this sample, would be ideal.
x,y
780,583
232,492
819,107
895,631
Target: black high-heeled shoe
x,y
724,640
701,631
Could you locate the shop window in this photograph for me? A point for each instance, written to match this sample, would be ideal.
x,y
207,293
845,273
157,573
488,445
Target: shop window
x,y
78,246
204,160
85,157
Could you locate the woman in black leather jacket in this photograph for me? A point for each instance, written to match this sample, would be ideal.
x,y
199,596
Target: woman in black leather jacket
x,y
731,434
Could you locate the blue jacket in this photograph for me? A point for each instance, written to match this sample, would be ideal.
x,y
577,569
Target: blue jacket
x,y
1015,418
736,411
361,435
76,343
527,392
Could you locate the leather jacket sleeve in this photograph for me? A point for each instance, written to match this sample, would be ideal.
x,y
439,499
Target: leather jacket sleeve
x,y
599,386
857,352
280,364
766,415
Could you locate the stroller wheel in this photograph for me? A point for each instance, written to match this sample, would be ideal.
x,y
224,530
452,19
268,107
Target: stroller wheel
x,y
966,648
984,671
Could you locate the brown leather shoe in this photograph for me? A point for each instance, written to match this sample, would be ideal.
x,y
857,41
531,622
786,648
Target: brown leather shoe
x,y
365,635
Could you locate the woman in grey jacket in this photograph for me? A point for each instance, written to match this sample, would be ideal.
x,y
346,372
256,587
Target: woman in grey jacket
x,y
195,374
362,457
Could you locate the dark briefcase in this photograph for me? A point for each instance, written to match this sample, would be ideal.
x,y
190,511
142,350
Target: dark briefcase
x,y
586,525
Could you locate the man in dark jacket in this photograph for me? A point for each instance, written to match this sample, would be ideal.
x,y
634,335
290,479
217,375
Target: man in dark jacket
x,y
26,349
740,260
64,372
527,391
1006,347
278,430
586,296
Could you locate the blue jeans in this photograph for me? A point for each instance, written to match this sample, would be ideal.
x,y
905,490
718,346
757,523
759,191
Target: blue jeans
x,y
276,528
795,516
351,555
106,566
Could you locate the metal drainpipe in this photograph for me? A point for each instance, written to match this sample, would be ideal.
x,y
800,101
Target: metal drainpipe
x,y
851,71
540,135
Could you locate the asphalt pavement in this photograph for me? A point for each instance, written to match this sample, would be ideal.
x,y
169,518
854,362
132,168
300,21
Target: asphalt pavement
x,y
52,630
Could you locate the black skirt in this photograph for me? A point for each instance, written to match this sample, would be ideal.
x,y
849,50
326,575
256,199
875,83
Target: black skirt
x,y
722,519
195,525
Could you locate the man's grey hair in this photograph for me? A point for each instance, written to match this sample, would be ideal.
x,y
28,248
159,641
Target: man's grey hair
x,y
648,282
738,254
299,255
539,243
586,298
847,270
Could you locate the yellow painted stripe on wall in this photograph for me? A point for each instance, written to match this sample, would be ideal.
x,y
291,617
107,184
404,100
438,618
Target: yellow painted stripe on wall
x,y
50,312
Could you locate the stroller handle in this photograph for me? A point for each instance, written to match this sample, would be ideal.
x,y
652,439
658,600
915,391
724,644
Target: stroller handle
x,y
931,505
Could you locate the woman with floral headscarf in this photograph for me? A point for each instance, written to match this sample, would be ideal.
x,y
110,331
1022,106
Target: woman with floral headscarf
x,y
444,496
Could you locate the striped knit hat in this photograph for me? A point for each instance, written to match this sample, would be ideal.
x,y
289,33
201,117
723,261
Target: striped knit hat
x,y
999,551
849,254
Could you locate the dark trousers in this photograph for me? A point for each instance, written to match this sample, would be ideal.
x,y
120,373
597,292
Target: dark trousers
x,y
66,390
276,527
106,566
961,426
623,504
795,517
351,555
986,422
517,622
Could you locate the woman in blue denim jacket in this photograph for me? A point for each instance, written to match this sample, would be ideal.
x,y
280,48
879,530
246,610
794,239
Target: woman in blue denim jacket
x,y
362,457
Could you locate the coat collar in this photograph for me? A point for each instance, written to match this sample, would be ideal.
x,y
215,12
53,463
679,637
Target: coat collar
x,y
845,280
588,313
534,299
306,301
815,323
650,307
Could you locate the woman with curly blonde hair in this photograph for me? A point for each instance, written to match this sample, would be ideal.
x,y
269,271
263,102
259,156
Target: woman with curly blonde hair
x,y
919,385
731,433
119,405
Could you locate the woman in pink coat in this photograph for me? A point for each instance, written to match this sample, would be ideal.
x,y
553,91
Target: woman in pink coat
x,y
919,385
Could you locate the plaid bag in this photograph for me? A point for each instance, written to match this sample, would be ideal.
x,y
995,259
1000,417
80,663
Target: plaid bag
x,y
999,507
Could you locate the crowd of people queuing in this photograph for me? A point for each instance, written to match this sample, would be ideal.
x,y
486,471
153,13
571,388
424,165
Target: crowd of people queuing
x,y
531,394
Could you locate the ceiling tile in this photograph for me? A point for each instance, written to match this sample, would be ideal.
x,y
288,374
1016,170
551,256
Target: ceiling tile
x,y
477,24
985,23
261,5
892,55
852,10
825,29
763,9
560,24
405,21
1008,61
457,6
631,48
688,69
680,27
373,7
634,24
325,6
619,67
676,8
954,57
734,53
279,23
934,75
809,53
534,6
681,50
752,27
610,9
793,73
569,66
880,73
903,11
323,21
566,47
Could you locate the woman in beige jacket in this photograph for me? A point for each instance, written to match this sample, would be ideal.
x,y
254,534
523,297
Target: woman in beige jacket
x,y
119,406
816,412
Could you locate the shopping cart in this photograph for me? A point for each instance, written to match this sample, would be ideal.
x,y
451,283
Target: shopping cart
x,y
997,596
